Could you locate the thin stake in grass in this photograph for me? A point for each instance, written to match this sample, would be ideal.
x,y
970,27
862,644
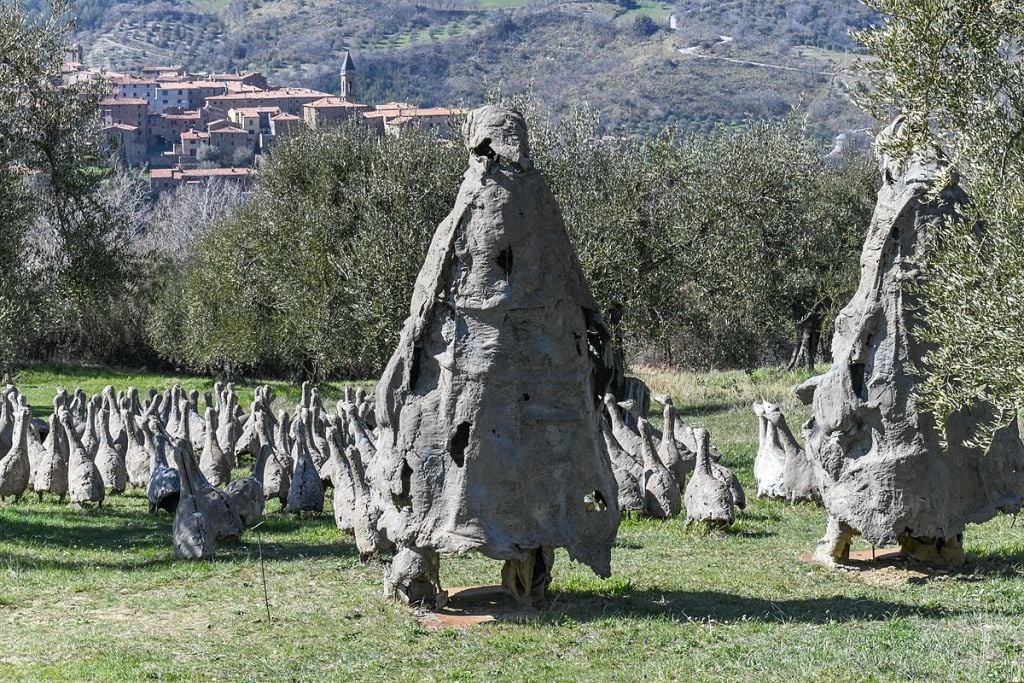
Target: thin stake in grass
x,y
263,569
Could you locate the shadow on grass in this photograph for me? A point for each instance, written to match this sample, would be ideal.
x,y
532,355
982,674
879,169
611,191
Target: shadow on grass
x,y
982,566
682,606
713,606
741,532
24,561
137,540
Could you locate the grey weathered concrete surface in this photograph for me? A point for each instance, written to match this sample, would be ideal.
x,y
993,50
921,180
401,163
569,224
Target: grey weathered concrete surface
x,y
885,472
489,408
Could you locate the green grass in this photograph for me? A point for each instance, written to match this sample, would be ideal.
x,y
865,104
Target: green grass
x,y
95,594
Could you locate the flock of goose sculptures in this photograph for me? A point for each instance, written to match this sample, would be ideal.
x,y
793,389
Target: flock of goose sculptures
x,y
90,448
94,447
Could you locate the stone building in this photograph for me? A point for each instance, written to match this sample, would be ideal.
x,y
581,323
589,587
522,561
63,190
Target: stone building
x,y
330,111
286,99
132,111
135,88
168,179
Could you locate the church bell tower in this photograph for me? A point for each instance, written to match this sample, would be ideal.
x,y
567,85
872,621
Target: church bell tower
x,y
348,78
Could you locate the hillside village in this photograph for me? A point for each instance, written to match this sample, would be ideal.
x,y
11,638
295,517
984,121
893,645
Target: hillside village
x,y
191,127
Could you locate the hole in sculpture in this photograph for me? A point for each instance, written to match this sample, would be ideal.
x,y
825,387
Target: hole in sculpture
x,y
484,149
505,262
403,499
857,381
526,397
414,369
595,502
459,442
576,339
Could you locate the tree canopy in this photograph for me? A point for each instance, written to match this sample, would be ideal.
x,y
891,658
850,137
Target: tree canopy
x,y
954,69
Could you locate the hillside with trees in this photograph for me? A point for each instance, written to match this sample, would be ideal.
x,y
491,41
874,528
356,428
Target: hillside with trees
x,y
726,62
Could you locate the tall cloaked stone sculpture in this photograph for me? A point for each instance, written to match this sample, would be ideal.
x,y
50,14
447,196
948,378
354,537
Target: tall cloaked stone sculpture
x,y
489,410
885,473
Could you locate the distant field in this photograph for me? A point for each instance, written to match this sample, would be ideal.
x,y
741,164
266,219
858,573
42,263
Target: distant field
x,y
844,60
501,4
212,6
654,9
96,594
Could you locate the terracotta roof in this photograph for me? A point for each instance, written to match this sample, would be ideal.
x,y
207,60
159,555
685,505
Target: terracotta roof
x,y
219,123
115,101
122,126
194,135
186,174
233,77
254,111
269,95
215,172
334,103
400,116
229,130
233,86
284,116
190,85
131,80
434,111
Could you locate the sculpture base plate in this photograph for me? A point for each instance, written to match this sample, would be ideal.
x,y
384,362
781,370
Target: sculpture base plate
x,y
474,606
862,557
885,568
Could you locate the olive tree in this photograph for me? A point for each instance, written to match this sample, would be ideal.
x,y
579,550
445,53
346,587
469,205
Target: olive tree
x,y
79,267
311,275
953,68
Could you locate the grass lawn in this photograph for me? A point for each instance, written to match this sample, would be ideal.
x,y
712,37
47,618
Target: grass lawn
x,y
95,594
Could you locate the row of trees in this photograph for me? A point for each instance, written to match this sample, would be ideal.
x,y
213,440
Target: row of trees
x,y
726,249
716,249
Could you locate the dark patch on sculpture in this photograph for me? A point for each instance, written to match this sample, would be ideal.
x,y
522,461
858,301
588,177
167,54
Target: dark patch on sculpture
x,y
505,261
403,499
484,149
857,381
460,439
414,367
